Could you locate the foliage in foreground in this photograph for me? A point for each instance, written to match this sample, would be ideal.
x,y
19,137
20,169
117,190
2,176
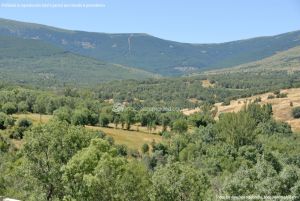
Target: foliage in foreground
x,y
247,153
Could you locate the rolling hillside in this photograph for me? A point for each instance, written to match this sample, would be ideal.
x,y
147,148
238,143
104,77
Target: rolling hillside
x,y
288,60
36,62
281,106
153,54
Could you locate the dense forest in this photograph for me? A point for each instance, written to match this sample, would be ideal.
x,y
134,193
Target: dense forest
x,y
180,92
241,154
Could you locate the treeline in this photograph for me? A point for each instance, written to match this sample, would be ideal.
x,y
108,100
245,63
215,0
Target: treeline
x,y
181,92
79,108
242,154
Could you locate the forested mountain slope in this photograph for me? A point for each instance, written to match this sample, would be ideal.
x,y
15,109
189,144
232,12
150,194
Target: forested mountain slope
x,y
36,62
154,54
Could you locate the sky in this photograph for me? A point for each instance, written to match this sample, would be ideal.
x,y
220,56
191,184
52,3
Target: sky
x,y
193,21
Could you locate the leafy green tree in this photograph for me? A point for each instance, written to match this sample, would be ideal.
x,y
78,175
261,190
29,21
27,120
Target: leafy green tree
x,y
237,128
46,149
164,121
149,119
9,108
63,114
177,182
272,127
80,117
40,104
200,119
23,107
96,173
128,117
259,113
180,126
21,126
134,183
262,179
5,121
116,119
103,120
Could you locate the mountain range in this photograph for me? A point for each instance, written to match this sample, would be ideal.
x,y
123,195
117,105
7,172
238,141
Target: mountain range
x,y
78,56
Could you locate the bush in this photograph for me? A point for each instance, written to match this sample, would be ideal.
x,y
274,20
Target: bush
x,y
296,112
271,97
145,148
9,108
5,121
282,95
24,123
21,126
226,102
121,149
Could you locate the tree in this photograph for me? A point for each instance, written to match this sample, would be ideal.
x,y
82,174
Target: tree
x,y
97,173
128,117
9,108
103,120
237,129
5,121
165,121
259,113
23,106
149,119
177,182
80,117
200,119
180,126
63,114
21,126
116,119
46,149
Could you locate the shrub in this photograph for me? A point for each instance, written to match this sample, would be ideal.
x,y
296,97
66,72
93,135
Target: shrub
x,y
226,102
25,123
21,126
145,148
296,112
121,149
282,95
5,121
9,108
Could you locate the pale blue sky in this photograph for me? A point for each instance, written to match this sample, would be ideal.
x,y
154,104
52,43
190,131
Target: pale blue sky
x,y
198,21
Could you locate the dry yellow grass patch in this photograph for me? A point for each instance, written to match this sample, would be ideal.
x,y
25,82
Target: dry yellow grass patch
x,y
190,111
35,118
207,84
281,106
132,139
